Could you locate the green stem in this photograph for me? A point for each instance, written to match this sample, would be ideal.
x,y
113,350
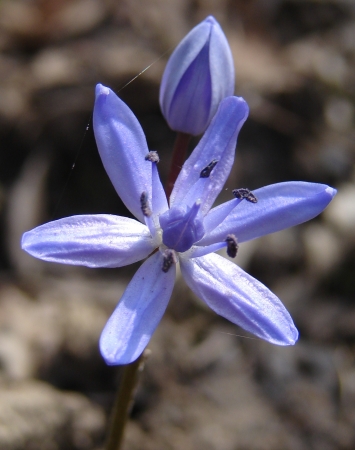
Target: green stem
x,y
179,155
124,402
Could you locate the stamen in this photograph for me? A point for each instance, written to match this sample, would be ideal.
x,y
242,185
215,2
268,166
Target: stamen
x,y
206,172
152,156
169,259
244,193
197,251
147,212
216,216
232,245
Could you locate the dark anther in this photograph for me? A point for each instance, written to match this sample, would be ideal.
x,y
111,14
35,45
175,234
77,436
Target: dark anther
x,y
152,156
232,245
169,259
206,172
145,205
245,193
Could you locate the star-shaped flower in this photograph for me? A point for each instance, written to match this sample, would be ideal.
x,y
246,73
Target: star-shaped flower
x,y
188,232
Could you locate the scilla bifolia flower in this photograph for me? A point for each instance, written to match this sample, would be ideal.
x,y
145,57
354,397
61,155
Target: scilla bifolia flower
x,y
187,233
198,75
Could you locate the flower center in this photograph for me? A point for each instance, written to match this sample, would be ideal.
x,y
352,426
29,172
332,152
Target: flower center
x,y
182,227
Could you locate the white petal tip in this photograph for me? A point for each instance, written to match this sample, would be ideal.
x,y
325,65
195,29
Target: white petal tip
x,y
111,359
291,340
101,90
331,191
107,352
23,241
211,20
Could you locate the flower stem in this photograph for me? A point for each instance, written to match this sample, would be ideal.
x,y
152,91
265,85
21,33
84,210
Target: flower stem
x,y
124,402
125,393
179,155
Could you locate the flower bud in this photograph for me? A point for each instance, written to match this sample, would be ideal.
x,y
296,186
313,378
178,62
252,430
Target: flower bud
x,y
198,75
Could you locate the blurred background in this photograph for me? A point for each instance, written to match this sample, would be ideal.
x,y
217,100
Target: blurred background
x,y
207,384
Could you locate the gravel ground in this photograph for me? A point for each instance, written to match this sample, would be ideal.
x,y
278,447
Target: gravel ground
x,y
207,384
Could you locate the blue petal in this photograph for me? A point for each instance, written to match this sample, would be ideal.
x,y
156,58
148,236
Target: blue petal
x,y
122,147
238,297
92,241
279,206
138,313
190,108
218,143
198,75
180,60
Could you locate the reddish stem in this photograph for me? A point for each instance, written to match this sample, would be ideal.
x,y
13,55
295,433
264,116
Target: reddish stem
x,y
179,155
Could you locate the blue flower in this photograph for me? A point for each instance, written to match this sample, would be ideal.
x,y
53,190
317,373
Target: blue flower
x,y
198,75
188,232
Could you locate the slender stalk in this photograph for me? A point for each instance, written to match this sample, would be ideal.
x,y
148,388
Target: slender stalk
x,y
125,393
124,402
179,155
